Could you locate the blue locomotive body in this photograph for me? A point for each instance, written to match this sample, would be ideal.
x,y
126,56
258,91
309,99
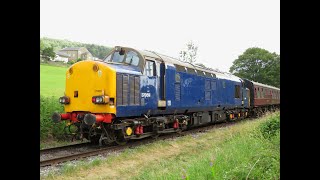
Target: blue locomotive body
x,y
183,91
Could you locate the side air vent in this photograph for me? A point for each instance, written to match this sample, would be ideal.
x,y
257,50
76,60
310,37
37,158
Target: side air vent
x,y
131,82
125,89
128,90
119,89
177,91
137,90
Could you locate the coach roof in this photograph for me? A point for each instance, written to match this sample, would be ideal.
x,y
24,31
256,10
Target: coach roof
x,y
263,85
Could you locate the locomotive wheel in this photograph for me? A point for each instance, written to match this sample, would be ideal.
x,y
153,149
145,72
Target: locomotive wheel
x,y
120,140
94,140
73,131
155,131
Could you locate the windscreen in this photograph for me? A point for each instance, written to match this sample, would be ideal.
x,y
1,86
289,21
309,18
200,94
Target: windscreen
x,y
126,57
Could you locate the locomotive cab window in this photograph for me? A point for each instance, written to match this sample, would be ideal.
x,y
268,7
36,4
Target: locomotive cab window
x,y
149,69
118,57
107,59
132,58
128,57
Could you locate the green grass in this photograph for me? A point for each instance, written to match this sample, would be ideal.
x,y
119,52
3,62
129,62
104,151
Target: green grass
x,y
52,80
247,154
240,151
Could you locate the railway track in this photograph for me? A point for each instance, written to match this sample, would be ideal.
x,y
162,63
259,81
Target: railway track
x,y
131,144
49,150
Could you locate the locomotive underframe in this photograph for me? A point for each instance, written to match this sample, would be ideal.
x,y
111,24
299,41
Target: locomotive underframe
x,y
116,131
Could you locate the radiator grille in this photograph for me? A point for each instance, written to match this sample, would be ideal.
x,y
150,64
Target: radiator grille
x,y
177,91
119,89
125,89
137,90
128,90
131,82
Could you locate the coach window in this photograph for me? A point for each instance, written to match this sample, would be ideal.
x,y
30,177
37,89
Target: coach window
x,y
258,92
255,92
265,92
149,69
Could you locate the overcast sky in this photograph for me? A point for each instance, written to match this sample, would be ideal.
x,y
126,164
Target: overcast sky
x,y
222,29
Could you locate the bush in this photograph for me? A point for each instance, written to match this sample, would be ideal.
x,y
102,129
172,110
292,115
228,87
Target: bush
x,y
271,127
48,129
71,62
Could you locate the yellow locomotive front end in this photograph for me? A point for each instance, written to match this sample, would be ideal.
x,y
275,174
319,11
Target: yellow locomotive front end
x,y
89,99
90,87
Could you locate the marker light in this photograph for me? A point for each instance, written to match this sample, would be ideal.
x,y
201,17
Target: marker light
x,y
64,100
100,99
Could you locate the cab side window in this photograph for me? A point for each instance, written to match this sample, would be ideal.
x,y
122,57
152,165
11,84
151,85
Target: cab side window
x,y
149,69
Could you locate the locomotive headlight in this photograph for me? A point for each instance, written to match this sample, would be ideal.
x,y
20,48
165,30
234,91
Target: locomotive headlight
x,y
64,100
100,99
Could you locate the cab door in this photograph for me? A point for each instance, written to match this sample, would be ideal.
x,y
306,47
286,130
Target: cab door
x,y
161,80
149,85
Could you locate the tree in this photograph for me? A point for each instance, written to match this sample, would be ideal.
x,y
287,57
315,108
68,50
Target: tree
x,y
41,46
48,53
190,54
259,65
96,50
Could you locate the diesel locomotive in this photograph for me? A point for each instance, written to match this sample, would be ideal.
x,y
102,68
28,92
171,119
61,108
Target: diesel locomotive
x,y
133,94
